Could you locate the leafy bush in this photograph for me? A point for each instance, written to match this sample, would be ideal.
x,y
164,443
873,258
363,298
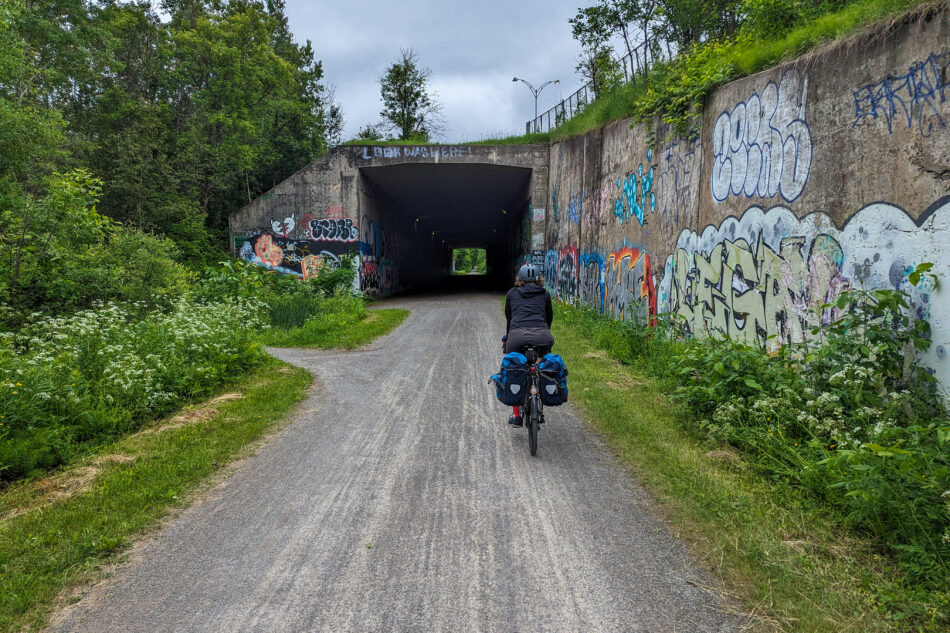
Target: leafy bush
x,y
291,301
848,417
62,255
72,382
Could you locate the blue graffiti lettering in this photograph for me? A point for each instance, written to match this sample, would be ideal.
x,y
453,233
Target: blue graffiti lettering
x,y
910,96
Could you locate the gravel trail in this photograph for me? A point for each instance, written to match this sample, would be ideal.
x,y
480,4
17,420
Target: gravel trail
x,y
398,500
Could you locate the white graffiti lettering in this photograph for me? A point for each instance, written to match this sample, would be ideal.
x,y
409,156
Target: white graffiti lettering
x,y
762,148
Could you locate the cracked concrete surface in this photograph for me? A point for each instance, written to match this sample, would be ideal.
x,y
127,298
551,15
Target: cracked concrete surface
x,y
399,500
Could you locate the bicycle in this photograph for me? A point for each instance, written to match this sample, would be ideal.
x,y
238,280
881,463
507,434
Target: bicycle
x,y
533,409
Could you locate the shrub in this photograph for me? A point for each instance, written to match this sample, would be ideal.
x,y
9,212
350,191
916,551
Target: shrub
x,y
62,255
72,382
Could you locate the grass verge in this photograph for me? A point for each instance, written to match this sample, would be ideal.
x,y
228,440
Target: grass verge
x,y
791,564
338,330
58,532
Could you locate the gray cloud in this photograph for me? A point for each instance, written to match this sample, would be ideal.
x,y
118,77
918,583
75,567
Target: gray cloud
x,y
473,49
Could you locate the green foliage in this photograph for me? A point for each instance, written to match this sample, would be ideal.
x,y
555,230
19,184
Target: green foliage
x,y
849,418
182,120
408,107
470,260
62,255
719,42
46,549
70,383
783,554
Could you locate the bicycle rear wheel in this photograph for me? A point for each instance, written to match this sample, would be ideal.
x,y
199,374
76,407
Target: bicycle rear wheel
x,y
534,418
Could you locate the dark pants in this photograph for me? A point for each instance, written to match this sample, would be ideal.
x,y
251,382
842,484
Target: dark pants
x,y
539,337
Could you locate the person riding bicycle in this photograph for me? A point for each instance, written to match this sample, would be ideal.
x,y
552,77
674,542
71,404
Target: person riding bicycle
x,y
529,313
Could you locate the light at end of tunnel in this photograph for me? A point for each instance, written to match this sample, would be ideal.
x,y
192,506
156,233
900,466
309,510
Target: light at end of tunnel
x,y
503,212
494,230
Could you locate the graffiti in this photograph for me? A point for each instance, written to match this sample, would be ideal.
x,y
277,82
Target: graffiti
x,y
539,215
330,230
379,272
629,292
763,146
592,280
268,252
910,96
594,215
636,194
311,265
421,151
765,278
575,207
284,227
302,258
551,271
677,185
537,258
567,269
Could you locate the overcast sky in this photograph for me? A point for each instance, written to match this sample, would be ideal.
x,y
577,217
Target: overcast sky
x,y
474,48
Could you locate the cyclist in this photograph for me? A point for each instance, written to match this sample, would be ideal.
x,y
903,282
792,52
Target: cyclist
x,y
529,313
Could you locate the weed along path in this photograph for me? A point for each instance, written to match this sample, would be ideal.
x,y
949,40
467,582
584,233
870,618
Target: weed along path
x,y
399,500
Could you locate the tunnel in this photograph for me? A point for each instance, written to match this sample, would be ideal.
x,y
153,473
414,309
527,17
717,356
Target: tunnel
x,y
414,215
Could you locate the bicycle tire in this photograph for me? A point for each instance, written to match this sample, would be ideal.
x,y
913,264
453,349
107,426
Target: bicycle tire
x,y
533,421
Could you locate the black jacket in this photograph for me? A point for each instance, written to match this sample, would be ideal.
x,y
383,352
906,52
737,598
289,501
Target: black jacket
x,y
528,306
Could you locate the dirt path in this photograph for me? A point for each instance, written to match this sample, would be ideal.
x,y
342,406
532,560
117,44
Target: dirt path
x,y
399,500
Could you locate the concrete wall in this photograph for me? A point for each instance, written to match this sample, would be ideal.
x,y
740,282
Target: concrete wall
x,y
329,208
823,174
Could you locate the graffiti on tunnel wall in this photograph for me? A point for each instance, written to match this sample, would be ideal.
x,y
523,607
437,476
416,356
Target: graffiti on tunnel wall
x,y
910,97
630,289
567,269
769,274
762,147
379,272
636,193
592,281
331,230
677,185
303,258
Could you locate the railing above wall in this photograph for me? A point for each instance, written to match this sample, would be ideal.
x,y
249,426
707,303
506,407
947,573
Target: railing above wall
x,y
634,63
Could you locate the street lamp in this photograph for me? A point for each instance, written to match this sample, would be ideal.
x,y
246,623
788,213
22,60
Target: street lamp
x,y
536,92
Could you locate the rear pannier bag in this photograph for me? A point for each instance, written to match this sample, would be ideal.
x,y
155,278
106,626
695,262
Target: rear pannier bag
x,y
553,380
512,381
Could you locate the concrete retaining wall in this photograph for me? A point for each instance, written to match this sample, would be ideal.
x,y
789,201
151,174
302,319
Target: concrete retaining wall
x,y
823,174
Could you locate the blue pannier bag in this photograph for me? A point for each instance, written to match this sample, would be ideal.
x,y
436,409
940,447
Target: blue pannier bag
x,y
553,380
511,382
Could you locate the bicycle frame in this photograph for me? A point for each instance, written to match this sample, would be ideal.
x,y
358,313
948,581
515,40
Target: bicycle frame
x,y
532,406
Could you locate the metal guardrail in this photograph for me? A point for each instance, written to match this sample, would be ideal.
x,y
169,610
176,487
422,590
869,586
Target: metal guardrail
x,y
633,63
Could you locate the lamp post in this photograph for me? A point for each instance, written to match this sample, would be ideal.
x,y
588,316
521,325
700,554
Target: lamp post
x,y
536,92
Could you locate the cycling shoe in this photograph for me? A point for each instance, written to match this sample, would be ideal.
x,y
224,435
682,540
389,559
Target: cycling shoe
x,y
515,420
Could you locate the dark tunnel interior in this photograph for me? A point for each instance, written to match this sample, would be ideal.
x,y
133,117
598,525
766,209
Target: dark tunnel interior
x,y
424,211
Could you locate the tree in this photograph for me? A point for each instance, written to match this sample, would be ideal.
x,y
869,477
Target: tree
x,y
689,22
370,133
408,107
600,69
594,27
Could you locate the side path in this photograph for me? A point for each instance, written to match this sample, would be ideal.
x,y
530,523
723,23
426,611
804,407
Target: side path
x,y
399,500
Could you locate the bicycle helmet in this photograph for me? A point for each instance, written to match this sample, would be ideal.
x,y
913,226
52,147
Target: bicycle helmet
x,y
528,272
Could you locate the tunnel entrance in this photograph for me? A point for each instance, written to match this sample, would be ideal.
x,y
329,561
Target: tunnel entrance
x,y
415,215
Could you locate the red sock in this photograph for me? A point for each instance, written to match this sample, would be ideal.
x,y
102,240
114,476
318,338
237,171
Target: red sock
x,y
517,411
